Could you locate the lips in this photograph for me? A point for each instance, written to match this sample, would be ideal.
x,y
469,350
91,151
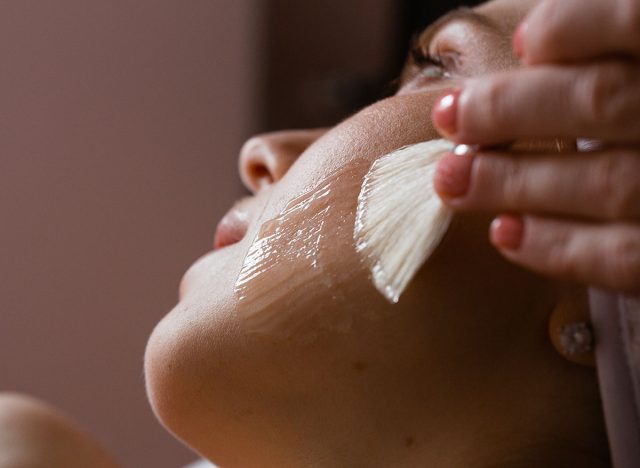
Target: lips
x,y
231,229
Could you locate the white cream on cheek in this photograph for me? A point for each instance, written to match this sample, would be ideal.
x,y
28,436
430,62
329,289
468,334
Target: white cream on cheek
x,y
296,275
302,272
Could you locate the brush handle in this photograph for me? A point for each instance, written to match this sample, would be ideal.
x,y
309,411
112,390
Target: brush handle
x,y
616,322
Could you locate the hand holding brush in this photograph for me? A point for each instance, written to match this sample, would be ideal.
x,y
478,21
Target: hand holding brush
x,y
571,215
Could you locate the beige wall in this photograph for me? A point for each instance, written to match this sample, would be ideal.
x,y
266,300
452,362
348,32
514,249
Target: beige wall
x,y
120,122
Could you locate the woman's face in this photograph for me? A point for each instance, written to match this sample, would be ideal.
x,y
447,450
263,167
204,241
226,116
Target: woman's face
x,y
281,349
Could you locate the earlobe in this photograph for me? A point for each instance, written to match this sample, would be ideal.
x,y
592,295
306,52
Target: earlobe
x,y
570,329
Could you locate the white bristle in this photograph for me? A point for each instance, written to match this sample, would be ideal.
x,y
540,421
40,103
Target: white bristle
x,y
400,219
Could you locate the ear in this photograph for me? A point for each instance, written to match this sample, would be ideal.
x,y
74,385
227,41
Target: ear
x,y
570,328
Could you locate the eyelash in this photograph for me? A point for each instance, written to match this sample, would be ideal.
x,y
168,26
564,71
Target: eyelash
x,y
425,61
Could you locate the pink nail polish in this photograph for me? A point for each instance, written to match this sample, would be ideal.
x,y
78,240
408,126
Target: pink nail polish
x,y
507,232
445,113
453,174
518,39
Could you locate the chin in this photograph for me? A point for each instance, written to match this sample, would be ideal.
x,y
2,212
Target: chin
x,y
179,363
198,372
164,361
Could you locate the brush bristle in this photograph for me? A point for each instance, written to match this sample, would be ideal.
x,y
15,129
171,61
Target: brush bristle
x,y
400,219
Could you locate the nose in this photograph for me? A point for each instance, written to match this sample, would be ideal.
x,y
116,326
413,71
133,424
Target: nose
x,y
266,158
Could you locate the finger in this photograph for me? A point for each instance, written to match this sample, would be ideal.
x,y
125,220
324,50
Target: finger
x,y
596,101
571,30
603,185
603,255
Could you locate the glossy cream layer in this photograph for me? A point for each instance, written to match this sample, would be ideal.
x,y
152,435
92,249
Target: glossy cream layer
x,y
297,249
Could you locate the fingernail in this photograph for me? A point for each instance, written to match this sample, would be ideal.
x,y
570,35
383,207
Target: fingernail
x,y
507,232
518,39
444,113
453,174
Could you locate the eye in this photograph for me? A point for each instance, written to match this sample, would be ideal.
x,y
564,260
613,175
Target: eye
x,y
429,63
429,66
433,67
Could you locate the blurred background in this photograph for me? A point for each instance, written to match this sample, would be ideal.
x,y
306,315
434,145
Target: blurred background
x,y
120,125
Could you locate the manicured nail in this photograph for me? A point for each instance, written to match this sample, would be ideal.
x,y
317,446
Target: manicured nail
x,y
445,113
507,232
453,174
465,150
518,39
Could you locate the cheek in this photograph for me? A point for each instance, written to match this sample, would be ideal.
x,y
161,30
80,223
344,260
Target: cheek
x,y
373,132
301,272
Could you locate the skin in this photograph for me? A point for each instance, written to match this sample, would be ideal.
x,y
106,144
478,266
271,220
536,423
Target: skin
x,y
583,208
34,435
461,372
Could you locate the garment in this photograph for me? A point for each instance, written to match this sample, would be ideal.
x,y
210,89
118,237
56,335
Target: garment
x,y
616,323
201,464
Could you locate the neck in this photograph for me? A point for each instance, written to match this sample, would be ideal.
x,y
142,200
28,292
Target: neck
x,y
545,413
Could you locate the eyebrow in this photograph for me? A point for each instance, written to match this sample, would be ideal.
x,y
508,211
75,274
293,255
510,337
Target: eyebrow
x,y
459,14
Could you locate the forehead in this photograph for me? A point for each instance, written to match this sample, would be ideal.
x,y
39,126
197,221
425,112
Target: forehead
x,y
501,17
506,13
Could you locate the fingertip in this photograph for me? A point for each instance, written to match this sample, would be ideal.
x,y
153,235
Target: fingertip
x,y
507,232
444,114
453,173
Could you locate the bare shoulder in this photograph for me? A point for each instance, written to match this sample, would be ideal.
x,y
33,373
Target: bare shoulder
x,y
33,434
